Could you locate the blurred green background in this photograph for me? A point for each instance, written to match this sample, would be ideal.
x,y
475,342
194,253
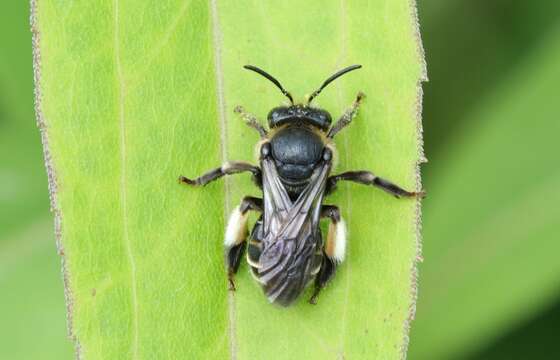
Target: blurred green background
x,y
489,285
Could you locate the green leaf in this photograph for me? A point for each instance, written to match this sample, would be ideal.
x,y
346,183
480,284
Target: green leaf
x,y
133,94
492,227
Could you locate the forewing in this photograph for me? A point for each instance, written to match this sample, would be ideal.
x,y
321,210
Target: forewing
x,y
291,234
277,203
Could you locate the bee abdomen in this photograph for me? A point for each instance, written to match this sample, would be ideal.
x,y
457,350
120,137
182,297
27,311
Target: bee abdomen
x,y
254,253
317,260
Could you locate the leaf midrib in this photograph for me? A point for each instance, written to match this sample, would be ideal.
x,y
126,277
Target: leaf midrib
x,y
121,94
344,53
222,124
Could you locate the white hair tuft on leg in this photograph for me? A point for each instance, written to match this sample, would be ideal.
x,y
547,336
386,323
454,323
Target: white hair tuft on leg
x,y
236,230
340,241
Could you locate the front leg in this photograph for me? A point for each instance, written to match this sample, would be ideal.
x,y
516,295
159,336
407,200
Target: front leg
x,y
251,121
228,168
368,178
347,117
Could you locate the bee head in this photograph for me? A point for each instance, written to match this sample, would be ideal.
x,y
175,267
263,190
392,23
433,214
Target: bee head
x,y
299,114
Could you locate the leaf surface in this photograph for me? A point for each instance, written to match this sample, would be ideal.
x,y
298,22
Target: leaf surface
x,y
133,94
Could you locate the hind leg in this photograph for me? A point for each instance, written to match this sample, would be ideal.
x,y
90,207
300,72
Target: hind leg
x,y
236,234
334,250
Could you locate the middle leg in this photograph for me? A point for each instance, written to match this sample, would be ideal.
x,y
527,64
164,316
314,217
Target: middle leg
x,y
369,178
228,168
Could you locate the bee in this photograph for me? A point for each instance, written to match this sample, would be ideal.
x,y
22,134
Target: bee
x,y
285,249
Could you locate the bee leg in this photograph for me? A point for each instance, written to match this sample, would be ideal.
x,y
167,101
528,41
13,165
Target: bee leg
x,y
335,247
234,256
368,178
334,251
251,120
228,168
347,117
328,268
236,234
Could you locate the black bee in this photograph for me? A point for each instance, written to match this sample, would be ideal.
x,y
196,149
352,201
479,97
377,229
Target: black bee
x,y
286,248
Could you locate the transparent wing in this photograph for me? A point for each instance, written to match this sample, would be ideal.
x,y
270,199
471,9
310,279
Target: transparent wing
x,y
291,234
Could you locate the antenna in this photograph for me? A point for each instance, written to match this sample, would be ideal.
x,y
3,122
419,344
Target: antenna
x,y
331,79
272,79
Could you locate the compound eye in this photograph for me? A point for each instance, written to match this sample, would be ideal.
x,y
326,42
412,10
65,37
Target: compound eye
x,y
265,150
275,115
272,115
327,154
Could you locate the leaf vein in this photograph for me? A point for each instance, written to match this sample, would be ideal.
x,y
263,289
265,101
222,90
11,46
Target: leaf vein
x,y
121,93
348,268
217,47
